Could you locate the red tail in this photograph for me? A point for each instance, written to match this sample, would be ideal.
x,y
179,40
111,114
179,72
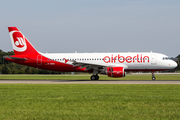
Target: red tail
x,y
20,44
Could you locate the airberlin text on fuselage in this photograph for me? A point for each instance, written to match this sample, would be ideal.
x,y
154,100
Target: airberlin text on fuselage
x,y
128,59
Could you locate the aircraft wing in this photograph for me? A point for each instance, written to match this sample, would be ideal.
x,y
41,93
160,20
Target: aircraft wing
x,y
96,65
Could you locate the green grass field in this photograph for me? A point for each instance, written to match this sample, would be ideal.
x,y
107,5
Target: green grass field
x,y
87,77
89,101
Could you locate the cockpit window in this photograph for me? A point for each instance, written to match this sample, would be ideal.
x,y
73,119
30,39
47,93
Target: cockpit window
x,y
166,58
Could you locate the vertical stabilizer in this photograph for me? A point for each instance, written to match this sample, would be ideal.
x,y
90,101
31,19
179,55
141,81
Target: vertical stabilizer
x,y
20,44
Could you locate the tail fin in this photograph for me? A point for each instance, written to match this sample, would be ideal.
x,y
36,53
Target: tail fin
x,y
20,44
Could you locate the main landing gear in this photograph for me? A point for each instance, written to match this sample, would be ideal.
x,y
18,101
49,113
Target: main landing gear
x,y
153,78
95,77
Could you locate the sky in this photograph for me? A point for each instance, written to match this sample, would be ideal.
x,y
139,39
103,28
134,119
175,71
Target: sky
x,y
63,26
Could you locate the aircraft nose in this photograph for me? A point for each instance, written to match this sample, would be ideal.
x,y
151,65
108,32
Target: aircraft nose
x,y
173,64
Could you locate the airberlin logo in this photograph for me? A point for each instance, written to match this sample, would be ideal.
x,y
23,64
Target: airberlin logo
x,y
18,41
129,59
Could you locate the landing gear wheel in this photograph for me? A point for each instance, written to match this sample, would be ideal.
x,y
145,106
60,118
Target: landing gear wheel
x,y
153,78
97,77
94,77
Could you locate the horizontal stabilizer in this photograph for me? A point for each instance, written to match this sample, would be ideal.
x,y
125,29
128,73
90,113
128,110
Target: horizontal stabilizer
x,y
15,58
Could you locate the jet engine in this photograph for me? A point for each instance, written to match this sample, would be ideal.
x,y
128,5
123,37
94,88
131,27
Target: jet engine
x,y
115,72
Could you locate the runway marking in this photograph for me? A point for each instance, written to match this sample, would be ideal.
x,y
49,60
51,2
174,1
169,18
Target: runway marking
x,y
89,82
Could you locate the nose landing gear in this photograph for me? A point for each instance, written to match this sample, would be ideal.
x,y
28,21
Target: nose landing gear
x,y
153,77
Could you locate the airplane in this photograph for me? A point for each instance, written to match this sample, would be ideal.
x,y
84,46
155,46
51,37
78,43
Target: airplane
x,y
111,64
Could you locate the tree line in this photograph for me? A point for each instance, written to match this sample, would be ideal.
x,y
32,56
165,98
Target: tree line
x,y
7,67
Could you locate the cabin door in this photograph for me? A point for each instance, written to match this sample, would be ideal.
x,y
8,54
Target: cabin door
x,y
39,60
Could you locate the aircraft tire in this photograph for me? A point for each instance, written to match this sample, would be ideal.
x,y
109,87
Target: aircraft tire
x,y
94,77
97,77
153,78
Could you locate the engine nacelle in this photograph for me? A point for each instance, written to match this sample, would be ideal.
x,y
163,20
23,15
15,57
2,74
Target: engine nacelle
x,y
115,72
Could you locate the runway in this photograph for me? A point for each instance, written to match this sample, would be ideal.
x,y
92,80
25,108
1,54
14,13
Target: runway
x,y
89,82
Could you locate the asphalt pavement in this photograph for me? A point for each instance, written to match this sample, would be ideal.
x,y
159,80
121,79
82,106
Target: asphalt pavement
x,y
89,82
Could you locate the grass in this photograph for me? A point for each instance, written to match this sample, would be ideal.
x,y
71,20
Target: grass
x,y
89,101
87,77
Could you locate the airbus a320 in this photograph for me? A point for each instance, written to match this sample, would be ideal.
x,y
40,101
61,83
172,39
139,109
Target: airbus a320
x,y
111,64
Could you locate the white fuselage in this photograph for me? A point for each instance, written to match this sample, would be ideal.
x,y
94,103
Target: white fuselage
x,y
130,61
